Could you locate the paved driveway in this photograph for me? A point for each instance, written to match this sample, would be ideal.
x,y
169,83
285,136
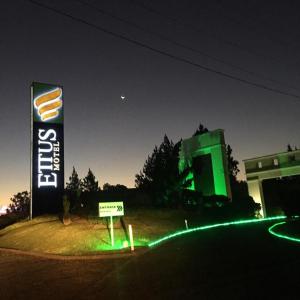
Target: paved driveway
x,y
240,262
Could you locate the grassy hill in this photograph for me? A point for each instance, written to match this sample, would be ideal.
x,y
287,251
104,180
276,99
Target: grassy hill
x,y
90,235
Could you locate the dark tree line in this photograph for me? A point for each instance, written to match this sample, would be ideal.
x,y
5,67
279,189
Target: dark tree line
x,y
20,204
87,184
160,177
85,192
78,192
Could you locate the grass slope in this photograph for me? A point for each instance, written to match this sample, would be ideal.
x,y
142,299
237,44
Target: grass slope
x,y
47,234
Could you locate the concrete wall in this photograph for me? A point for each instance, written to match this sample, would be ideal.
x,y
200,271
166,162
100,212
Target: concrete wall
x,y
211,143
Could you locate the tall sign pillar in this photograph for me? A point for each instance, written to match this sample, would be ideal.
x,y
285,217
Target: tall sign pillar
x,y
47,148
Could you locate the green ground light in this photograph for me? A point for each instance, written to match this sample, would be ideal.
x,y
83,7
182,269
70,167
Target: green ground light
x,y
280,235
183,232
120,244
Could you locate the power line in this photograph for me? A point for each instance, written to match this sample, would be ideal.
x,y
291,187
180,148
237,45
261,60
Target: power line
x,y
210,35
178,44
166,54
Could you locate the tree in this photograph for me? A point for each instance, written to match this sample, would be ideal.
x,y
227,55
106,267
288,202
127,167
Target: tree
x,y
107,186
89,183
233,168
289,148
73,189
74,183
20,203
145,178
114,188
239,189
245,207
200,130
160,176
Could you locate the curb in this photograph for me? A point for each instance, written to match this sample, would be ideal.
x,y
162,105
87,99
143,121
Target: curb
x,y
75,257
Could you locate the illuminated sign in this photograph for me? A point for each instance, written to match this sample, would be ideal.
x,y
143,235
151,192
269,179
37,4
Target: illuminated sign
x,y
48,104
47,148
48,157
111,209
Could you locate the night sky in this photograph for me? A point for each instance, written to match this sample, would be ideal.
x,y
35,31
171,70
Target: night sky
x,y
163,95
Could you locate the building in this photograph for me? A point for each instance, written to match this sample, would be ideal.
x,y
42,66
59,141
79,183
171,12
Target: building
x,y
205,154
270,166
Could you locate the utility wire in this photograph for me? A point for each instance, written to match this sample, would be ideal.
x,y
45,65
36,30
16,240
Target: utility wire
x,y
164,53
210,35
178,44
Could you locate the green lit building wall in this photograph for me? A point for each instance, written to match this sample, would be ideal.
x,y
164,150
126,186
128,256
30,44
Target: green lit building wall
x,y
209,152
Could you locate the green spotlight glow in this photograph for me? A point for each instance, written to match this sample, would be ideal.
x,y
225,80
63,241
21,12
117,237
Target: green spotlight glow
x,y
280,235
183,232
118,245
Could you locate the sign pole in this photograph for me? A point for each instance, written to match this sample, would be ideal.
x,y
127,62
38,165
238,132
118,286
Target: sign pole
x,y
186,225
111,209
131,237
112,231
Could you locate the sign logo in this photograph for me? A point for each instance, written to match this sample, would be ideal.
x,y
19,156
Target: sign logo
x,y
48,104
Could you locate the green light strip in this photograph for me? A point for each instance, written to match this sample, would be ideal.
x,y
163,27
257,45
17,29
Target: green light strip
x,y
282,236
179,233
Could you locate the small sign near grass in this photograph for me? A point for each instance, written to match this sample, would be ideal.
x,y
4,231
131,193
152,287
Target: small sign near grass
x,y
111,209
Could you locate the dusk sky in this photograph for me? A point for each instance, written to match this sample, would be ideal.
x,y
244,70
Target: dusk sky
x,y
163,95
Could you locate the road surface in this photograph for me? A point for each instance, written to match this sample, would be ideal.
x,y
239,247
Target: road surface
x,y
238,262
